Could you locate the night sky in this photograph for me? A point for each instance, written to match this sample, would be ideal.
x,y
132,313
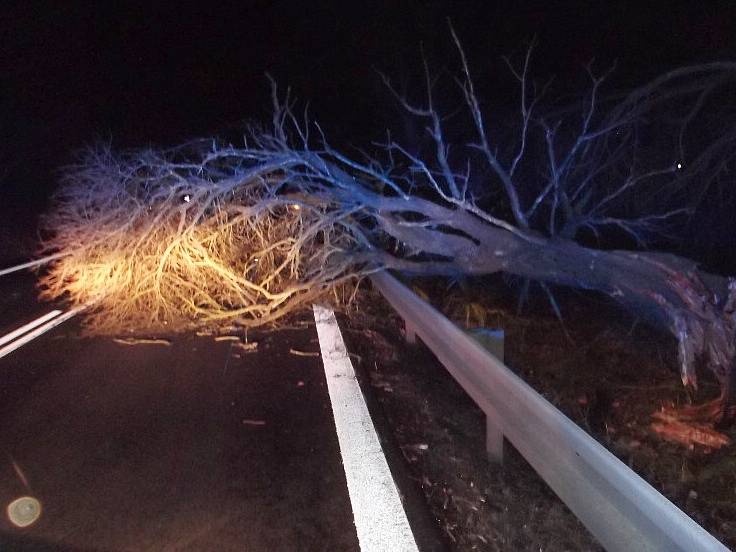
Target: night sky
x,y
157,73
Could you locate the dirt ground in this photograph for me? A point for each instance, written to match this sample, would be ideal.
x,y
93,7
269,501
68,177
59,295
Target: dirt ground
x,y
603,369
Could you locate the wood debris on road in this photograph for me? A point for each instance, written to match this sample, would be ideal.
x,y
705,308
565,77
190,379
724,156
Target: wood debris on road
x,y
139,341
247,347
254,422
303,353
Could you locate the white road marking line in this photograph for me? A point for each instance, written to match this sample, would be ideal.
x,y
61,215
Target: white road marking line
x,y
39,331
28,327
31,264
380,519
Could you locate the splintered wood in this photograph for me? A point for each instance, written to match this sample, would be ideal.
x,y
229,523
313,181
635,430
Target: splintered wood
x,y
674,428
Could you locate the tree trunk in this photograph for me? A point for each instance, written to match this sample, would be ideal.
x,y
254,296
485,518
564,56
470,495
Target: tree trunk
x,y
697,307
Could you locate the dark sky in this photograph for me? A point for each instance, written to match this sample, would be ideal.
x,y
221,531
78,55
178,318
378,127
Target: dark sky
x,y
158,73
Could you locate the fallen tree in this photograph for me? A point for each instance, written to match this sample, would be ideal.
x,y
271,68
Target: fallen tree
x,y
209,233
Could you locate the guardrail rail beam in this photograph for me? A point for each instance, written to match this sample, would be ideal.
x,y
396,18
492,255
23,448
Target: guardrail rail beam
x,y
617,506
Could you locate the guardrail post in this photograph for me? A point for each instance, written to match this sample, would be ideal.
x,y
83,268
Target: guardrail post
x,y
409,332
494,438
492,340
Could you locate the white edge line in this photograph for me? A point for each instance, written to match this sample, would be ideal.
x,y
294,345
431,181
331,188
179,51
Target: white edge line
x,y
380,519
39,331
28,327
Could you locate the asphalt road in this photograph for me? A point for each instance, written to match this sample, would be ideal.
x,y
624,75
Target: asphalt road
x,y
180,447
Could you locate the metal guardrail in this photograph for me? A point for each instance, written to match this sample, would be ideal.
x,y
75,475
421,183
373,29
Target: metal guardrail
x,y
617,506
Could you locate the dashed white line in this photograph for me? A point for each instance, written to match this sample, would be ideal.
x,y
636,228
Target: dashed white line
x,y
28,327
40,330
380,519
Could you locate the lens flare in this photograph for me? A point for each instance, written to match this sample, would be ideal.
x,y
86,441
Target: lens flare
x,y
24,511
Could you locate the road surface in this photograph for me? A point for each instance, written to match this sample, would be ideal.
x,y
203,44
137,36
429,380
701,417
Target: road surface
x,y
194,446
